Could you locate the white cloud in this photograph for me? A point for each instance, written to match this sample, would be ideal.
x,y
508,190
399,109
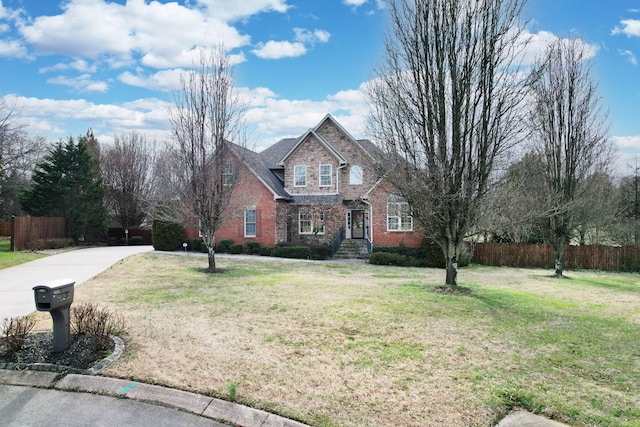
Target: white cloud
x,y
82,83
286,49
163,34
627,142
630,28
165,80
13,49
355,3
631,57
77,64
235,10
539,42
303,35
282,49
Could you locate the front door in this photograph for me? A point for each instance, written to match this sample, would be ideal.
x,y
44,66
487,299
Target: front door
x,y
357,224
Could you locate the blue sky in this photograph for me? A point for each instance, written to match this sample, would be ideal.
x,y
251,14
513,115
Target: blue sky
x,y
111,65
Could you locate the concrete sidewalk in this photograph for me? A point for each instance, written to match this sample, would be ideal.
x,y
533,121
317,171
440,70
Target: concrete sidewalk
x,y
80,265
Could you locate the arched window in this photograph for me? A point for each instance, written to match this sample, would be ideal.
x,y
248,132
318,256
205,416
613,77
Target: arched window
x,y
355,175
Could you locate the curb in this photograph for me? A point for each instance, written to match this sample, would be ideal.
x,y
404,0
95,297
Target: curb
x,y
208,407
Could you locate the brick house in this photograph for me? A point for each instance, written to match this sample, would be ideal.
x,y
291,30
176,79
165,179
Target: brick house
x,y
313,189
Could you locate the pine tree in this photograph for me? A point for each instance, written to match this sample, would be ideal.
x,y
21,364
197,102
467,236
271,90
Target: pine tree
x,y
67,183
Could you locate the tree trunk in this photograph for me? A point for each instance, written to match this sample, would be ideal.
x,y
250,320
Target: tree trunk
x,y
451,257
211,253
559,257
452,272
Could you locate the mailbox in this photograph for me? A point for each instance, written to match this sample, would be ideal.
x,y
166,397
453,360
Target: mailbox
x,y
56,298
54,295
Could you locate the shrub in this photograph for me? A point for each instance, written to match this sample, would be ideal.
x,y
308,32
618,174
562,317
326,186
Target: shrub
x,y
298,252
42,244
253,248
167,236
388,258
196,245
15,331
224,246
235,249
136,240
319,252
266,251
404,256
96,322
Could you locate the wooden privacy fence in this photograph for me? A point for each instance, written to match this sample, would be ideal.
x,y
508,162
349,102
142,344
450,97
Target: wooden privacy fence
x,y
27,229
589,257
5,228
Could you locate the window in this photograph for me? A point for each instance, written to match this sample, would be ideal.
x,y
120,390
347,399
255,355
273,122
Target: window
x,y
227,174
326,173
306,223
355,175
250,223
398,214
319,228
300,176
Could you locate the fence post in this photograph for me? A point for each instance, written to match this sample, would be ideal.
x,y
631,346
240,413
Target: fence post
x,y
13,234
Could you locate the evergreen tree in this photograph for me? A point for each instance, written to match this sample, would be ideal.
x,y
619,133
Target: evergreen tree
x,y
67,183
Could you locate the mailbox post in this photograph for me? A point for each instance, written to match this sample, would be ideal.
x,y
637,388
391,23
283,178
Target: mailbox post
x,y
56,298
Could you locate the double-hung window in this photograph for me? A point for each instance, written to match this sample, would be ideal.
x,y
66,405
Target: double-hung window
x,y
310,224
300,176
250,223
304,223
398,214
326,174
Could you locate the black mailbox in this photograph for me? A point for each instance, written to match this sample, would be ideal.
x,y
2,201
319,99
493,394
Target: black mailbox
x,y
54,295
56,298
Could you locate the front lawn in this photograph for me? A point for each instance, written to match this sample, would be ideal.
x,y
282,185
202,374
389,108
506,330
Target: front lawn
x,y
335,344
10,259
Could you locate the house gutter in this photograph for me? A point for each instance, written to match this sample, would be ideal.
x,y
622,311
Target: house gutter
x,y
370,231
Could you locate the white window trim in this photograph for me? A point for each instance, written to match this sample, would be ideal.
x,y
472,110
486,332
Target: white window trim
x,y
321,175
397,209
255,223
295,176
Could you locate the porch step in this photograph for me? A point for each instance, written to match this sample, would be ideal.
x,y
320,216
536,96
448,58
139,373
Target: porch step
x,y
352,249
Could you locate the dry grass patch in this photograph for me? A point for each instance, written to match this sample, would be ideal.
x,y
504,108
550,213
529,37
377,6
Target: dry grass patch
x,y
346,345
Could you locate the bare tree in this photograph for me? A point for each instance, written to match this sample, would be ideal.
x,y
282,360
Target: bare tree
x,y
19,153
445,106
570,135
208,113
127,169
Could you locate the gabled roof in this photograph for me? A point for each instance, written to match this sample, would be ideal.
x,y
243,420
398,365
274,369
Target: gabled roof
x,y
303,138
259,168
266,164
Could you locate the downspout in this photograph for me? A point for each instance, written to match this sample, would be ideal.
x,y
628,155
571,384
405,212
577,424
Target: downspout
x,y
369,227
338,177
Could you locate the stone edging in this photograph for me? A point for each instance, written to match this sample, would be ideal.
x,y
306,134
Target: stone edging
x,y
49,367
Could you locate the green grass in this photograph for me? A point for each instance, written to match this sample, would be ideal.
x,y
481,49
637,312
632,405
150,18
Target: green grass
x,y
568,349
10,259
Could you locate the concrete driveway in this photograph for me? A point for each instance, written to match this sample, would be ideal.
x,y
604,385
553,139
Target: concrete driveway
x,y
80,265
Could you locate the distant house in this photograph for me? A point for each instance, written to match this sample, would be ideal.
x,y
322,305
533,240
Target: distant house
x,y
313,189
